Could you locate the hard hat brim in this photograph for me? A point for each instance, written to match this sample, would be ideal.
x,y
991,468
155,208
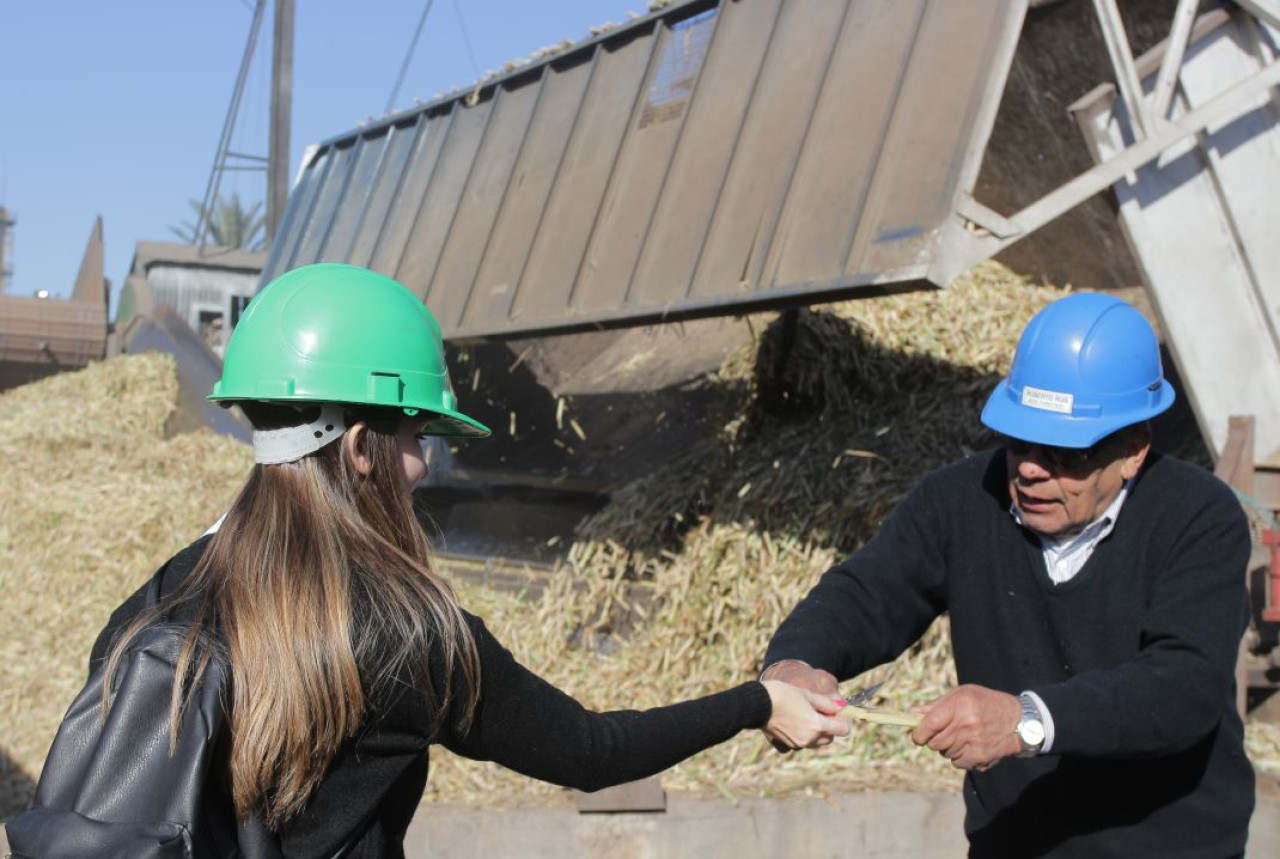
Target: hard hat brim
x,y
441,422
1005,414
456,425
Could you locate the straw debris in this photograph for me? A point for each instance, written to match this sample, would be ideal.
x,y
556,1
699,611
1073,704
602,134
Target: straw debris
x,y
93,497
670,591
673,589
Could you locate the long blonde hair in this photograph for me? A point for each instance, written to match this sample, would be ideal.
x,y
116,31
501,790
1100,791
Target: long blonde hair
x,y
320,584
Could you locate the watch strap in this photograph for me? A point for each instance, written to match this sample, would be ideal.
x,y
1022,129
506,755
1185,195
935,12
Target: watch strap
x,y
1030,713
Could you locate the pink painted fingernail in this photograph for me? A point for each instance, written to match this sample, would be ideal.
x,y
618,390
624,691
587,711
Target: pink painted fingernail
x,y
842,702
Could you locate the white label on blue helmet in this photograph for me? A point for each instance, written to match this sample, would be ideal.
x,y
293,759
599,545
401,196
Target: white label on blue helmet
x,y
1048,401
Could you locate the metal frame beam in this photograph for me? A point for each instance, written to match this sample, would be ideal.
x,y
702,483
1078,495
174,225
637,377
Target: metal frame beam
x,y
1122,61
212,187
1176,48
989,232
1267,11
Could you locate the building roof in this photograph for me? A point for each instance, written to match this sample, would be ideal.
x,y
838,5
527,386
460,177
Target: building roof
x,y
147,254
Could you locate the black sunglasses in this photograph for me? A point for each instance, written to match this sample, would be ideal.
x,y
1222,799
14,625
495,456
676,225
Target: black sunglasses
x,y
1072,459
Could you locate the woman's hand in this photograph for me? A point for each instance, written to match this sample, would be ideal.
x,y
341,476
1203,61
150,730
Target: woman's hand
x,y
802,719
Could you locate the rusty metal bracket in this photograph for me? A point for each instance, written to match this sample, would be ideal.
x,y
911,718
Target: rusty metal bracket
x,y
1235,466
1271,539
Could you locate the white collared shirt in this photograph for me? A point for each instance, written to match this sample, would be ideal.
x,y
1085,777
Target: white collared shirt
x,y
1063,559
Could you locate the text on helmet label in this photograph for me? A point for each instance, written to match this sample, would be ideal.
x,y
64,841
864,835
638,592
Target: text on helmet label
x,y
1049,401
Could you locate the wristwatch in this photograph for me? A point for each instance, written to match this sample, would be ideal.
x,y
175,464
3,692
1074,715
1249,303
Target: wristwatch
x,y
1030,728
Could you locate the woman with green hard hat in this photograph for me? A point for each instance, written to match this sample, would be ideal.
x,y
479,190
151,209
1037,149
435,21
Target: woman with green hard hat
x,y
349,654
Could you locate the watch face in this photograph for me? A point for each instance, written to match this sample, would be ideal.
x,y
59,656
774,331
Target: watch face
x,y
1031,732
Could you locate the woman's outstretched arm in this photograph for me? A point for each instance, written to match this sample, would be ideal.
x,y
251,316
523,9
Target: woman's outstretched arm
x,y
527,725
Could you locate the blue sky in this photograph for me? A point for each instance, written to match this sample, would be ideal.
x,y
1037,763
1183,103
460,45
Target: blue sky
x,y
115,108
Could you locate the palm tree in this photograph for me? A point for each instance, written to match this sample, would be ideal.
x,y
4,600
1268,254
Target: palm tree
x,y
229,224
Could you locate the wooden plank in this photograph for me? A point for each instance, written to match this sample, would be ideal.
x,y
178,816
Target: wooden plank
x,y
645,795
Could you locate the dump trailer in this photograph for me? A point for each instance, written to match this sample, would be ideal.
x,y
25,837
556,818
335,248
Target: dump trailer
x,y
719,157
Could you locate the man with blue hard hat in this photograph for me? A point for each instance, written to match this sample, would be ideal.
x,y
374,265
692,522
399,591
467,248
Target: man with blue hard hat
x,y
1097,598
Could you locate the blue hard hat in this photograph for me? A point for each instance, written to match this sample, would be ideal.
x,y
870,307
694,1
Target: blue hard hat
x,y
1086,366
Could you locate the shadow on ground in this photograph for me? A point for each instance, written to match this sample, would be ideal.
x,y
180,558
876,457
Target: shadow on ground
x,y
16,787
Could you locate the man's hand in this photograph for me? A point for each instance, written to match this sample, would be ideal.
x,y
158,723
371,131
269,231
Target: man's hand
x,y
802,674
972,726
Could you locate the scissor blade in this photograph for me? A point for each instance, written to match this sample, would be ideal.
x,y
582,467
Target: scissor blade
x,y
863,696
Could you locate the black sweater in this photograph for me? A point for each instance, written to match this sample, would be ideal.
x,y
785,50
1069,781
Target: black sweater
x,y
1134,656
371,790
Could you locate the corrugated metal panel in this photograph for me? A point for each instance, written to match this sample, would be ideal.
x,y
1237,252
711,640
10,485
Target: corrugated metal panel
x,y
190,291
709,158
41,336
59,335
1201,221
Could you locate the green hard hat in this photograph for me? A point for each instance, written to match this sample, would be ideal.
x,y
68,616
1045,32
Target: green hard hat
x,y
330,333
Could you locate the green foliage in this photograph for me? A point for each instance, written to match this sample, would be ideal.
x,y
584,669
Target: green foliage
x,y
230,224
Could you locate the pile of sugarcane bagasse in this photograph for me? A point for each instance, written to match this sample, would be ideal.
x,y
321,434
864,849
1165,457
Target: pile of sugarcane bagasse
x,y
670,591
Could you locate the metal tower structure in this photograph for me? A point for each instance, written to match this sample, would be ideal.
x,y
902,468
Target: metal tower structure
x,y
275,163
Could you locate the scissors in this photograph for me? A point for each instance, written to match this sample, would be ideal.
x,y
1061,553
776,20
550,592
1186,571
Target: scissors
x,y
859,707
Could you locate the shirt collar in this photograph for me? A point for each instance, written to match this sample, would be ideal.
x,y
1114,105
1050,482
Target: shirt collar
x,y
1093,532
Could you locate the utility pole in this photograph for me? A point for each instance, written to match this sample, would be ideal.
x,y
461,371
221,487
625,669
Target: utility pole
x,y
281,105
6,248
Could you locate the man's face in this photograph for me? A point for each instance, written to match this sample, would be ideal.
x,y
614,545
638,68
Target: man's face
x,y
1059,492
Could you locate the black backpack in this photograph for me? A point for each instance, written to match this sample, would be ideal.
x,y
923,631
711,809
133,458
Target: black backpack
x,y
110,788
